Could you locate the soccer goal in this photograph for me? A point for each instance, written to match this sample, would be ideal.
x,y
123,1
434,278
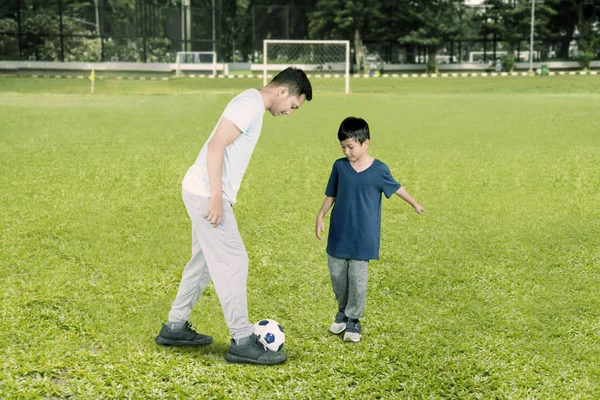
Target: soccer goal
x,y
326,62
196,61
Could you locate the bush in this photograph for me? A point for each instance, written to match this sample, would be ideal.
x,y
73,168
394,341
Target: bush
x,y
585,58
508,62
124,49
83,50
432,66
159,50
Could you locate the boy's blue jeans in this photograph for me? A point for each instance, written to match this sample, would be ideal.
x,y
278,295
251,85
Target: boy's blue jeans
x,y
349,282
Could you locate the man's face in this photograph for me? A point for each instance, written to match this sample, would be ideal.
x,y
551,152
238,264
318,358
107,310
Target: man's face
x,y
284,103
354,150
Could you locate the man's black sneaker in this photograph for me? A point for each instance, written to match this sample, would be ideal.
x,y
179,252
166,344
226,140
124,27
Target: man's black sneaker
x,y
253,352
184,336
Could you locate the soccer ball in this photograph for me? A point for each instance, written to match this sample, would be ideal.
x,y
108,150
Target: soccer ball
x,y
270,334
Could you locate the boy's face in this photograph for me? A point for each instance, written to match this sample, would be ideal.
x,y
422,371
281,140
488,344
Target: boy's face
x,y
284,102
354,150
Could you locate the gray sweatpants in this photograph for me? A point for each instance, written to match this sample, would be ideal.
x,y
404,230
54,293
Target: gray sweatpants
x,y
218,254
349,282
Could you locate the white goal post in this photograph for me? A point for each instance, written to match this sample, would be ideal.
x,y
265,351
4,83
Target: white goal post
x,y
327,59
196,61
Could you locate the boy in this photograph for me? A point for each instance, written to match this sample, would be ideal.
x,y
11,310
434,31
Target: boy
x,y
209,192
355,186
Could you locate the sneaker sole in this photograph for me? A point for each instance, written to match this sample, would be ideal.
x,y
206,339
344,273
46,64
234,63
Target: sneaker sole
x,y
235,359
337,329
169,342
348,338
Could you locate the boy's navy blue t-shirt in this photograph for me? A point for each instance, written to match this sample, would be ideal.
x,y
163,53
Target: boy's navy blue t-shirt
x,y
355,224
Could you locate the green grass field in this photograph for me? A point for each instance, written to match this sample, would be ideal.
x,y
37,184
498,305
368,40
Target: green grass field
x,y
492,294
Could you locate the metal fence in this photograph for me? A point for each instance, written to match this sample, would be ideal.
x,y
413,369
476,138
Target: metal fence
x,y
55,30
154,30
475,50
149,31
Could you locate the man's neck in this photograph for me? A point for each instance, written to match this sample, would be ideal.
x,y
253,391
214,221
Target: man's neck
x,y
268,95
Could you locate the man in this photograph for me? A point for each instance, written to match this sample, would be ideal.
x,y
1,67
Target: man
x,y
209,193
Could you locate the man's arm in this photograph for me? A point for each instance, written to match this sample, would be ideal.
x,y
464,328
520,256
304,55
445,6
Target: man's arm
x,y
408,198
320,227
226,133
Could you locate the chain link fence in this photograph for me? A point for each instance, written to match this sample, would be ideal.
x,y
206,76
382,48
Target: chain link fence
x,y
146,31
142,30
155,30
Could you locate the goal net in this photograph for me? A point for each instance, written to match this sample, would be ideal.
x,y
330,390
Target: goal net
x,y
326,62
196,62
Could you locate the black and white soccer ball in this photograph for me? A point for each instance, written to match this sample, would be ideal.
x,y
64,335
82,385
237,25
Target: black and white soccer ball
x,y
270,334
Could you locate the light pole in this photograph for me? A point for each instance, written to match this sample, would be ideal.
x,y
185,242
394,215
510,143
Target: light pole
x,y
186,25
531,36
214,29
182,25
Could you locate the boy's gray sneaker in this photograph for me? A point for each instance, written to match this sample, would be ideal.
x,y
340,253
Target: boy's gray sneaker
x,y
339,325
253,352
184,336
353,329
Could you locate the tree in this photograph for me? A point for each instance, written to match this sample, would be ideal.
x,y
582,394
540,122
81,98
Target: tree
x,y
511,21
353,20
274,19
434,23
563,23
587,17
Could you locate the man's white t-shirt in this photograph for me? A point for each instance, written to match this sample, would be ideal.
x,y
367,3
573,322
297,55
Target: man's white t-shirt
x,y
246,111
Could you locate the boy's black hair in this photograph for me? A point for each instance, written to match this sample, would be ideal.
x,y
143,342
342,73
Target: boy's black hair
x,y
296,81
354,128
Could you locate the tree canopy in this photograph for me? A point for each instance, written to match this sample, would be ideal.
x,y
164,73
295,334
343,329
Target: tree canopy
x,y
152,30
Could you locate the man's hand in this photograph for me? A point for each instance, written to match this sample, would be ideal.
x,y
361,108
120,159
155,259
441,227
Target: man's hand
x,y
419,209
214,211
226,133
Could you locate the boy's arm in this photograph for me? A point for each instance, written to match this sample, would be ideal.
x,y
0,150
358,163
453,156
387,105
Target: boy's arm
x,y
408,198
320,227
226,133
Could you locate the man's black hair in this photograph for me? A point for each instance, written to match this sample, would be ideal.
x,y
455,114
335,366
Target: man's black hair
x,y
296,81
354,128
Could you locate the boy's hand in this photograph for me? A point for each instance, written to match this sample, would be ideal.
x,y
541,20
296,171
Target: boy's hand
x,y
214,211
419,209
320,227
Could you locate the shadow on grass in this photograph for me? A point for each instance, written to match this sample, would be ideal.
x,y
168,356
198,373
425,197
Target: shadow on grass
x,y
214,350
